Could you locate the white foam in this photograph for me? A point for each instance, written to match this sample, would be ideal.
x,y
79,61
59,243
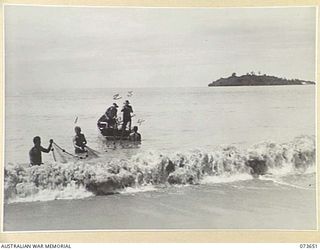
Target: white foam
x,y
281,171
138,189
141,172
225,179
69,192
284,183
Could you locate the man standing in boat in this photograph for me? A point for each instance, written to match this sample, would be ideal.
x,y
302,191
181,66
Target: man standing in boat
x,y
79,141
111,115
35,152
127,110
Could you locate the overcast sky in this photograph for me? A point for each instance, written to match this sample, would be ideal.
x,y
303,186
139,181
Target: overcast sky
x,y
72,47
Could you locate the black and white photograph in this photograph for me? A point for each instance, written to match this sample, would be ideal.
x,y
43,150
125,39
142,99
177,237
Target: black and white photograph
x,y
159,118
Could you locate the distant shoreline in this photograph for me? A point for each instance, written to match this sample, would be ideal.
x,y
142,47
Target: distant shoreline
x,y
257,80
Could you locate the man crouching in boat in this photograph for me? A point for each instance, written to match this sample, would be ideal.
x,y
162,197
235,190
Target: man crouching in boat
x,y
79,141
35,152
111,115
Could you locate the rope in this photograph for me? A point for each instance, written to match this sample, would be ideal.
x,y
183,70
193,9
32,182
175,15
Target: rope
x,y
53,155
92,151
64,151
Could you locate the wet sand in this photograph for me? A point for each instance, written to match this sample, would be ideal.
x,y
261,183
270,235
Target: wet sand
x,y
253,204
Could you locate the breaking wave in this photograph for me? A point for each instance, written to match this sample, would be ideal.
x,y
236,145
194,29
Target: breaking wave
x,y
148,170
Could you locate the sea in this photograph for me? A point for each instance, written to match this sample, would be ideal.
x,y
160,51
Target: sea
x,y
210,158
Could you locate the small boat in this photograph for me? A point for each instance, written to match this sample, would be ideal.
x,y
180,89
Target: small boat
x,y
113,134
108,127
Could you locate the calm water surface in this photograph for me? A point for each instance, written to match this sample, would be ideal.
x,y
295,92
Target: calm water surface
x,y
175,118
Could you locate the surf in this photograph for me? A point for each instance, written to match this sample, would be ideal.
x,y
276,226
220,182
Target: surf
x,y
146,171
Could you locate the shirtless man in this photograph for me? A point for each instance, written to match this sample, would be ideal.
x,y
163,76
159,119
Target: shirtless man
x,y
35,152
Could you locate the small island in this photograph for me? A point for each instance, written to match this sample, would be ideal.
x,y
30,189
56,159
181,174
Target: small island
x,y
251,79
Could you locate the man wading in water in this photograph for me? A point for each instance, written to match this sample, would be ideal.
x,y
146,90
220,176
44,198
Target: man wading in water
x,y
135,136
79,141
35,152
